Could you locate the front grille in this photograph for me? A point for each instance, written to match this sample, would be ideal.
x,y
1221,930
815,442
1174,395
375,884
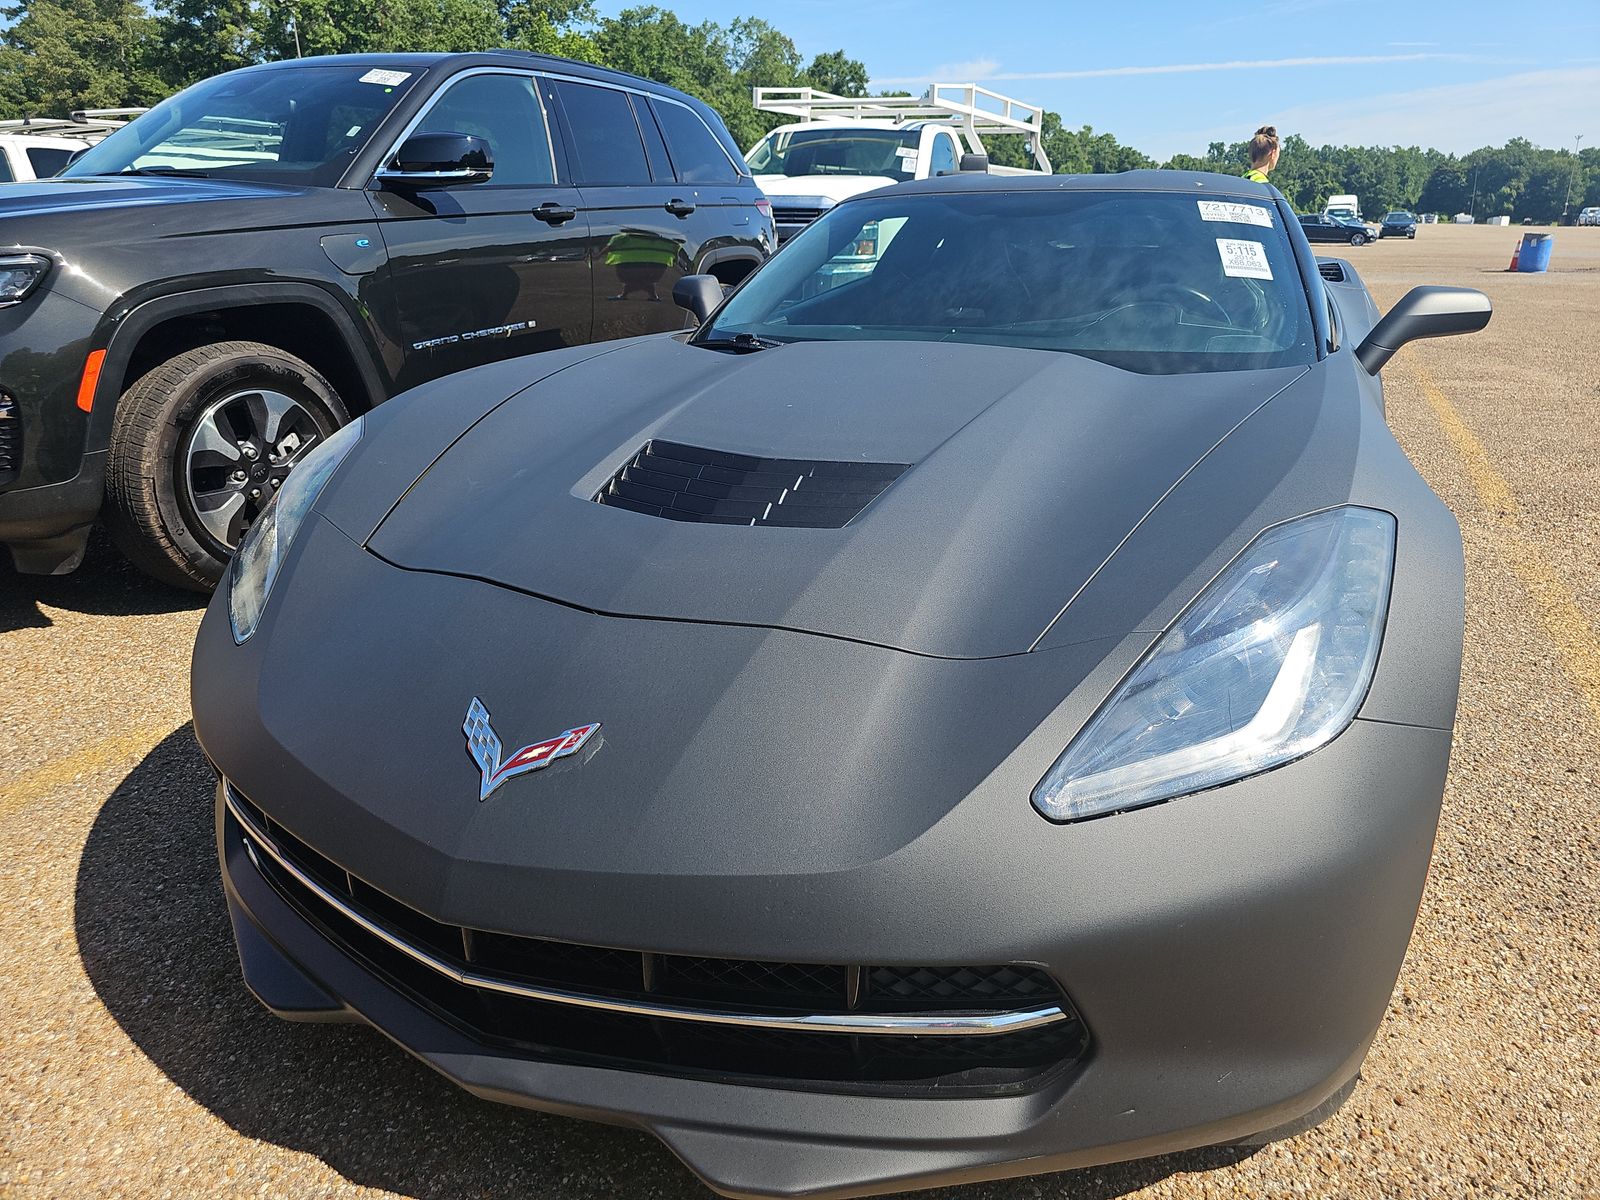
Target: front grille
x,y
10,438
540,1028
1330,270
791,221
690,483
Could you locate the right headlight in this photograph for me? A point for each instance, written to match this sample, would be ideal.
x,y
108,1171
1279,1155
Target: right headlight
x,y
256,563
1271,661
19,275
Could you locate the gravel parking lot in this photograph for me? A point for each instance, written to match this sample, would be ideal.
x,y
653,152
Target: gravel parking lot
x,y
135,1064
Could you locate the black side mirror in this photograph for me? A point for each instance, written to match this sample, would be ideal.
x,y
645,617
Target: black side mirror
x,y
434,158
978,163
1423,312
700,294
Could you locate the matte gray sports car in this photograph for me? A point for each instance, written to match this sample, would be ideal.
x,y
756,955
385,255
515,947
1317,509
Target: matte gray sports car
x,y
978,706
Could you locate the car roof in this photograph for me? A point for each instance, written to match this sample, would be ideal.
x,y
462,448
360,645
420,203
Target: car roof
x,y
1195,183
524,59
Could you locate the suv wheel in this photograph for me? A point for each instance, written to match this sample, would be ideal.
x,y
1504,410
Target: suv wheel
x,y
1358,239
200,445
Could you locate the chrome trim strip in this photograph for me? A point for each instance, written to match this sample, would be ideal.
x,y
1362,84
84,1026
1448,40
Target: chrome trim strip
x,y
953,1024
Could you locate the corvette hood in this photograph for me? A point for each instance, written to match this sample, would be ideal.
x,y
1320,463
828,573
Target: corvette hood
x,y
1024,471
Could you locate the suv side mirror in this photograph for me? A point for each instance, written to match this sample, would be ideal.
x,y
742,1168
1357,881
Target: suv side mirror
x,y
425,158
699,294
1423,312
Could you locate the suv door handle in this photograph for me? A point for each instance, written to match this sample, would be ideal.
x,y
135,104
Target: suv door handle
x,y
679,208
554,214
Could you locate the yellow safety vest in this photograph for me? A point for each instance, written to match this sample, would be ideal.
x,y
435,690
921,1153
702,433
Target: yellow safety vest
x,y
1256,175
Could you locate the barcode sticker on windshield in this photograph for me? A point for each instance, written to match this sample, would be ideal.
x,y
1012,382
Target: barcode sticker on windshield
x,y
1246,260
1237,214
387,78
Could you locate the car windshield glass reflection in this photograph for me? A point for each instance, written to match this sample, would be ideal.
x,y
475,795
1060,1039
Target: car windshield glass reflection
x,y
295,125
1155,283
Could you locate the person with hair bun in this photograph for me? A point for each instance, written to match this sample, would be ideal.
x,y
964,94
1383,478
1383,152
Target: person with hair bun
x,y
1263,154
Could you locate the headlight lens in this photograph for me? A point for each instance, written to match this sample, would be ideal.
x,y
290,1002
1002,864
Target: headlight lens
x,y
19,275
255,565
1271,661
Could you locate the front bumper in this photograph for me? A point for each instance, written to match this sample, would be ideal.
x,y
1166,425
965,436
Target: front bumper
x,y
1231,982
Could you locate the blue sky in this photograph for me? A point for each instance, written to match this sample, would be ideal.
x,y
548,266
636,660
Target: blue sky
x,y
1167,76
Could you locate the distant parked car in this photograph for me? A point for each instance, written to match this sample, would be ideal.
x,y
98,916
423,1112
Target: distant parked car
x,y
1322,227
1589,216
1398,224
208,294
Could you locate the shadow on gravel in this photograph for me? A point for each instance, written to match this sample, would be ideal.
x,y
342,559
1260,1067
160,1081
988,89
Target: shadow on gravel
x,y
154,937
106,584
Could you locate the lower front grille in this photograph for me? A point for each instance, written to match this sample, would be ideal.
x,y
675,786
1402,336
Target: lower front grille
x,y
10,438
558,1000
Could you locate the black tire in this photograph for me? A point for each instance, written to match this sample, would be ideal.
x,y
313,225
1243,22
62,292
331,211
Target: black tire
x,y
151,489
1358,239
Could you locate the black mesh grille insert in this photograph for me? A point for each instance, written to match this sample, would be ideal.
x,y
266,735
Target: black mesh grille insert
x,y
998,1062
1333,272
689,483
10,438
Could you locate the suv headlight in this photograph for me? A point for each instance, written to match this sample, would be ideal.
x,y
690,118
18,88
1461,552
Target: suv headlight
x,y
20,274
261,552
1271,661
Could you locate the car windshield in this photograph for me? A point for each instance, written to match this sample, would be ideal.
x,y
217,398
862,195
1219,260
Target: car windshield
x,y
295,125
1153,282
1398,216
887,152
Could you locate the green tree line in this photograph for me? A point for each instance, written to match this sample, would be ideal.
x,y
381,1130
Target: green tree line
x,y
59,55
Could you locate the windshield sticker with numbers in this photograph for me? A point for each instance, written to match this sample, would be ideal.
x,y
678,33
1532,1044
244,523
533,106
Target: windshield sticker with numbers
x,y
1244,260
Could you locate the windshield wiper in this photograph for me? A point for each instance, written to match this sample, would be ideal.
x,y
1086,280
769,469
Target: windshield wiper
x,y
186,172
741,343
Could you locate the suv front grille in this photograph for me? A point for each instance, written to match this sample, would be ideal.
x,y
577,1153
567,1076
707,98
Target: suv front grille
x,y
10,438
745,990
690,483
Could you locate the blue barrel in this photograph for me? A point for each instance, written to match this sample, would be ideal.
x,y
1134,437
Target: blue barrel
x,y
1536,249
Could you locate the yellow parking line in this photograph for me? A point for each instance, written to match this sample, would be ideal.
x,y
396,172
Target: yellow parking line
x,y
40,783
1570,630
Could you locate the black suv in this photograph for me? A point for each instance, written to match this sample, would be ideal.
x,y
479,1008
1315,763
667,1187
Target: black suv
x,y
209,292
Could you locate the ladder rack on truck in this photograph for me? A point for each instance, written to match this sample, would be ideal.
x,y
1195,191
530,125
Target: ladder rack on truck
x,y
972,109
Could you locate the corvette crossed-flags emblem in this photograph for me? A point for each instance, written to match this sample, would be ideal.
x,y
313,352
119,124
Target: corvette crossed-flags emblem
x,y
483,744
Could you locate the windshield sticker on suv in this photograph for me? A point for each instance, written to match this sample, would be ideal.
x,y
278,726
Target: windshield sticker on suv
x,y
1237,214
387,78
1244,260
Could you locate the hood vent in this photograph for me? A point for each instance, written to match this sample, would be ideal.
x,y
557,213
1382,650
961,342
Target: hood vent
x,y
1331,269
689,483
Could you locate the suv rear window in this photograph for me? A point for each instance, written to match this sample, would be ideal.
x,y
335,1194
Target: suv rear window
x,y
696,153
47,160
605,137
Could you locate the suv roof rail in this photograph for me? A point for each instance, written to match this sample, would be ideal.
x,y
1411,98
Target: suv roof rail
x,y
88,123
975,110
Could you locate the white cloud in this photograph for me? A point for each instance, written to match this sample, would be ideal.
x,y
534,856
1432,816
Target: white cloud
x,y
1542,106
1258,64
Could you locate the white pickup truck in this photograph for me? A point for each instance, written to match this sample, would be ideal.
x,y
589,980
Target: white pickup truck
x,y
38,147
843,146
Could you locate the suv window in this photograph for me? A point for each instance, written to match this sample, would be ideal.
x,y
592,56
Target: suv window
x,y
47,160
605,137
696,153
297,125
944,155
5,168
505,111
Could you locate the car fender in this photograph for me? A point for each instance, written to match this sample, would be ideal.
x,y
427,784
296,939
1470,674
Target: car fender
x,y
130,319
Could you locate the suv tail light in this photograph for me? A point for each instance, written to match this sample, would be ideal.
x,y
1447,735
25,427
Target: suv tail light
x,y
764,206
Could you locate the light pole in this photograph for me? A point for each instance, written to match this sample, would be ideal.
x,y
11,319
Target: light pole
x,y
1577,163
